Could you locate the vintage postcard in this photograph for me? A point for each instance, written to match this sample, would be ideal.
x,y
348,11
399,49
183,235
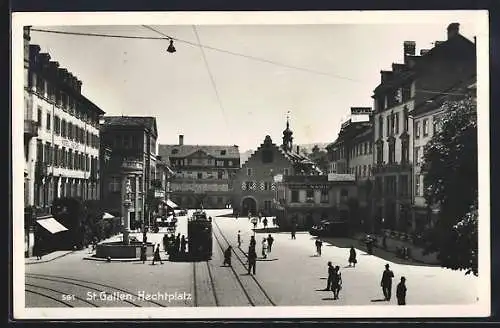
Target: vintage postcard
x,y
251,165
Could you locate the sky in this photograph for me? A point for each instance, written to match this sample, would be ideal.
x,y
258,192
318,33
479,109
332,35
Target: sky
x,y
248,99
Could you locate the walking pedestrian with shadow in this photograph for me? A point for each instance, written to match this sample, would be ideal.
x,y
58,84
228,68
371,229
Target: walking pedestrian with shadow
x,y
143,252
239,239
352,257
331,272
264,222
156,256
254,222
270,241
144,237
227,256
319,244
401,291
386,282
252,259
293,230
183,244
264,247
337,283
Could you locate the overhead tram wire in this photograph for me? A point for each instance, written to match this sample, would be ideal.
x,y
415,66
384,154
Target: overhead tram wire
x,y
167,37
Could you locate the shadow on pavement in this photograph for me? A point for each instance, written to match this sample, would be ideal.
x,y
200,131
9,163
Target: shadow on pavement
x,y
328,299
267,230
378,300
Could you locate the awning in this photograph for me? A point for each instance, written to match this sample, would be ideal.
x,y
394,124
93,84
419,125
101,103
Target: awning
x,y
171,204
52,225
107,216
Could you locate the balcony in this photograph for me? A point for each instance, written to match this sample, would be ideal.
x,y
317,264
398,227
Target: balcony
x,y
30,128
132,166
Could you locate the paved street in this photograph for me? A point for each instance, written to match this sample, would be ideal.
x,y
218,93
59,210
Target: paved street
x,y
292,275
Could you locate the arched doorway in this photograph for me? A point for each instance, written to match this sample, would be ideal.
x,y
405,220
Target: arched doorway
x,y
248,204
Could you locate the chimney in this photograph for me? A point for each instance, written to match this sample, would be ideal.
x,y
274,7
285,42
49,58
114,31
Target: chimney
x,y
53,68
298,148
423,52
409,48
453,30
437,43
181,139
385,75
79,86
63,75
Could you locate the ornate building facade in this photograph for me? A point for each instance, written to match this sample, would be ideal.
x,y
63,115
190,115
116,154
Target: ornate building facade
x,y
254,186
130,159
202,173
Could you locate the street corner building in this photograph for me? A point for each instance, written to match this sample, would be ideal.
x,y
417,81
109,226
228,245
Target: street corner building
x,y
202,174
405,117
254,184
61,147
134,178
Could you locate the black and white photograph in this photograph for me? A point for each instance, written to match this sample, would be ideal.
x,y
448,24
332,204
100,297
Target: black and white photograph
x,y
250,165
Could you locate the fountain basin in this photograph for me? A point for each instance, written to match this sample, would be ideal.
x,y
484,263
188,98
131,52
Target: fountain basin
x,y
118,250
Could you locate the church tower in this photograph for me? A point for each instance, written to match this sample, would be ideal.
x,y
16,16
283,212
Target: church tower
x,y
287,137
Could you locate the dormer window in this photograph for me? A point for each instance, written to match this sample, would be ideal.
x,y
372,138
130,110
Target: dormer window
x,y
175,151
223,152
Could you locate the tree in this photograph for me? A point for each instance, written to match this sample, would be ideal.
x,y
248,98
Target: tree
x,y
320,157
450,175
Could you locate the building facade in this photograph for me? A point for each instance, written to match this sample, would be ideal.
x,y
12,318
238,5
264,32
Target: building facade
x,y
405,87
61,134
352,153
254,186
305,200
427,121
202,173
131,143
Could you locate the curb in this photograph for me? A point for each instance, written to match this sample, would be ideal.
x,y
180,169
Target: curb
x,y
55,258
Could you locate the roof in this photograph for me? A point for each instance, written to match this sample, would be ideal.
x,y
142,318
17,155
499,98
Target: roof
x,y
180,151
147,122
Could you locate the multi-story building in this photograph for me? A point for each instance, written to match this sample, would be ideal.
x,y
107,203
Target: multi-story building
x,y
427,122
352,153
405,87
61,134
305,200
203,173
132,161
254,186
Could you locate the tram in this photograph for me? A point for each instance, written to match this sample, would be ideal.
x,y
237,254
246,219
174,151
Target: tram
x,y
200,235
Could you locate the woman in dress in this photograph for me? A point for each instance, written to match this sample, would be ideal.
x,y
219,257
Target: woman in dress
x,y
352,257
156,256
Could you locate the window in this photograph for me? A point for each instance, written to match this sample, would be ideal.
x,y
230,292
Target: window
x,y
56,155
405,118
200,175
364,170
426,127
46,155
381,126
396,116
309,193
435,124
403,185
417,185
248,185
175,151
126,141
267,185
380,153
189,161
220,175
70,130
57,125
63,158
366,148
286,172
114,184
370,149
417,155
39,116
230,163
392,151
417,129
404,151
324,196
249,172
295,196
381,103
77,161
393,123
388,123
40,85
369,169
223,152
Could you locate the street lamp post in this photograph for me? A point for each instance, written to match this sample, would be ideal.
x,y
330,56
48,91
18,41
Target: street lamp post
x,y
127,202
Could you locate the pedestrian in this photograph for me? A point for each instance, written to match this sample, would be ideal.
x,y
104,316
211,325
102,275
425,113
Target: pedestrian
x,y
337,283
270,241
183,244
144,237
156,256
165,242
264,222
177,243
253,242
249,215
236,215
293,230
143,253
227,256
260,216
319,244
331,272
252,259
254,222
239,239
401,292
264,247
386,282
274,221
352,257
